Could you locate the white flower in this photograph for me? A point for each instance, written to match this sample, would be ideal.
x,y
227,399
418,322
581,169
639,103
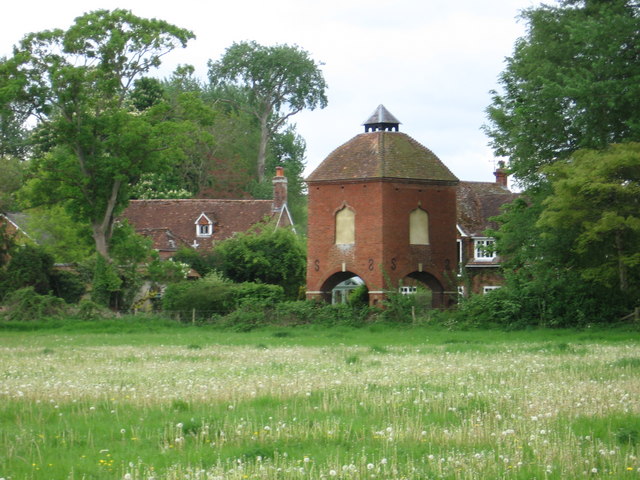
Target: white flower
x,y
383,461
123,431
127,476
333,473
370,466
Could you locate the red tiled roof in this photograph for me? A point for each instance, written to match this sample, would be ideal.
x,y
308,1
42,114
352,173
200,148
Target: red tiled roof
x,y
478,202
171,223
382,154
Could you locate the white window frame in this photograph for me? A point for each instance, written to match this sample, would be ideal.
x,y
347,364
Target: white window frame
x,y
480,249
489,288
408,290
204,229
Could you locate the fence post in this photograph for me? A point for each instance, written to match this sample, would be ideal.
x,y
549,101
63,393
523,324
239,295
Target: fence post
x,y
193,316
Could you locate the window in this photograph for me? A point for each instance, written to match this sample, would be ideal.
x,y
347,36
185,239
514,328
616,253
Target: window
x,y
484,249
408,290
204,226
419,227
345,227
489,288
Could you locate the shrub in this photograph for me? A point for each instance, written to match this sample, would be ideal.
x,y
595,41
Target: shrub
x,y
29,266
67,285
497,307
273,256
214,295
26,304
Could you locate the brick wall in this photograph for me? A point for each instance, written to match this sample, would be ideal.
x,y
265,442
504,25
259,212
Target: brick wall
x,y
381,248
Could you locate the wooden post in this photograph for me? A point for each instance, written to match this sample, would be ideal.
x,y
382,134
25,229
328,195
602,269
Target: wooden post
x,y
193,316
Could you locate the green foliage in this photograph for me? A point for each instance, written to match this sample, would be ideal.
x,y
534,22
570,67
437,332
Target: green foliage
x,y
270,255
572,82
30,266
90,143
213,295
167,271
596,201
13,172
106,282
67,285
203,262
25,304
272,83
495,308
65,239
255,314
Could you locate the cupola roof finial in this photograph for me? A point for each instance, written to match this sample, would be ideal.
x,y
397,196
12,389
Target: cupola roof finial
x,y
381,119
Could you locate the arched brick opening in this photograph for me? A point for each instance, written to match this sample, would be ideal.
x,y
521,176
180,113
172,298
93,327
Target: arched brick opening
x,y
440,297
332,281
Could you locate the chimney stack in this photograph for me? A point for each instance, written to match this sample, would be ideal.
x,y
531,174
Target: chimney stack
x,y
501,175
279,190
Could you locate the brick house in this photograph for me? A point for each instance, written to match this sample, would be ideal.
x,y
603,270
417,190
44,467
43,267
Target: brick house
x,y
477,203
200,223
385,208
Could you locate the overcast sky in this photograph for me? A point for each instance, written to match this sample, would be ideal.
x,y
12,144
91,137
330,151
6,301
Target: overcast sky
x,y
432,63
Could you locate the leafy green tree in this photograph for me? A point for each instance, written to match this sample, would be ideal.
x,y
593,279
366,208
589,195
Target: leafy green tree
x,y
13,173
92,145
272,83
596,201
270,255
573,82
58,234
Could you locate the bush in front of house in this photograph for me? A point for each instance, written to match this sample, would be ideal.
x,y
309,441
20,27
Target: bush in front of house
x,y
26,304
214,295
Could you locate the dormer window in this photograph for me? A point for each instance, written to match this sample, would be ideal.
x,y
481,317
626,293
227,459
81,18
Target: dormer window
x,y
204,226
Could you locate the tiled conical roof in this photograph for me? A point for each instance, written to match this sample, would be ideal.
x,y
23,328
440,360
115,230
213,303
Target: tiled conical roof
x,y
382,154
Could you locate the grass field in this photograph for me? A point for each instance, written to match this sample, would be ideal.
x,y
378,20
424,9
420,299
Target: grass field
x,y
379,402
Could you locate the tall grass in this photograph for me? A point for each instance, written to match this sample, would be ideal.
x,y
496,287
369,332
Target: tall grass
x,y
338,403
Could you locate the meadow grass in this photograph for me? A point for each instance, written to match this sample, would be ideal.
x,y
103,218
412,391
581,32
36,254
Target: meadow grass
x,y
307,402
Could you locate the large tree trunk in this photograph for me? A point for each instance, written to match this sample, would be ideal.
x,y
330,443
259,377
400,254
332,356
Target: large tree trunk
x,y
622,267
103,228
262,150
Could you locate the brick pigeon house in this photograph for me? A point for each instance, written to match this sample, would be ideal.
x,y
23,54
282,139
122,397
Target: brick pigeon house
x,y
386,209
382,207
200,223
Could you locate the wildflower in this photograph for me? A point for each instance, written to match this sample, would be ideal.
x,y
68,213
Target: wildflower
x,y
333,473
370,466
383,461
127,476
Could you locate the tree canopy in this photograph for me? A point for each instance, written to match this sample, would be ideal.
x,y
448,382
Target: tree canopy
x,y
572,82
90,143
273,83
568,119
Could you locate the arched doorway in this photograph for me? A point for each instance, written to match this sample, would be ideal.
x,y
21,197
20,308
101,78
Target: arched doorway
x,y
439,297
338,287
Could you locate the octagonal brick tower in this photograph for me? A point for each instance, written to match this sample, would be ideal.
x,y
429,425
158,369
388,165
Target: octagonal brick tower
x,y
382,207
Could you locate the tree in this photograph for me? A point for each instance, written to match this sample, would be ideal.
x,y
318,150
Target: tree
x,y
91,143
272,83
274,256
596,197
573,82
